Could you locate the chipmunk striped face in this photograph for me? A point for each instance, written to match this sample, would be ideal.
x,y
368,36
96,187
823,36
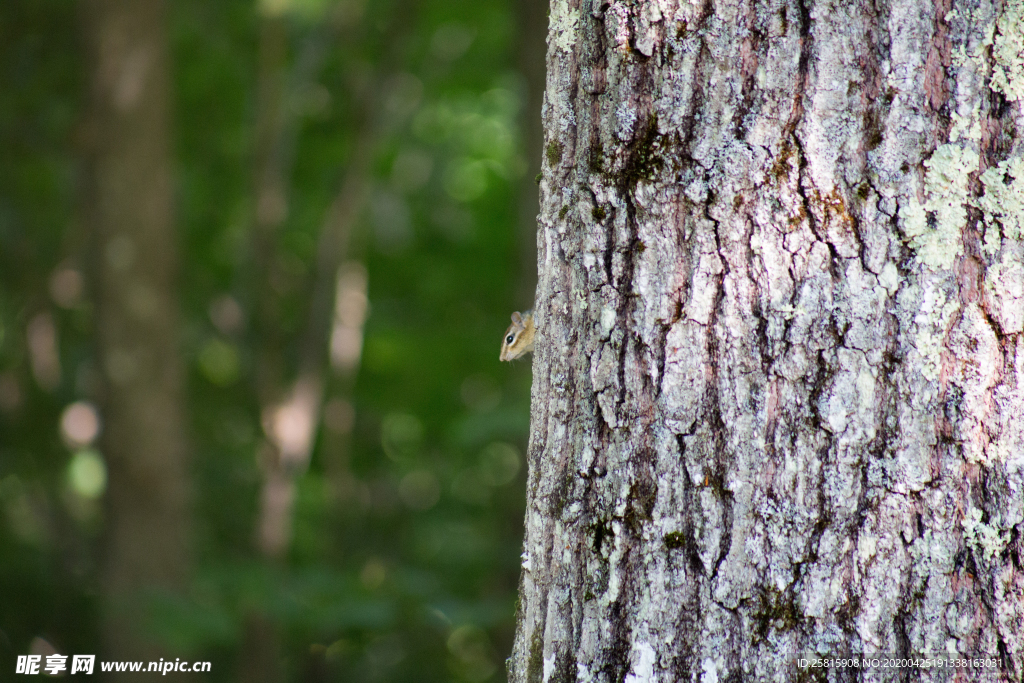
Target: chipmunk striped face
x,y
518,339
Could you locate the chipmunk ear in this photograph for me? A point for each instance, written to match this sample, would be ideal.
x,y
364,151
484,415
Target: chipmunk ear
x,y
517,318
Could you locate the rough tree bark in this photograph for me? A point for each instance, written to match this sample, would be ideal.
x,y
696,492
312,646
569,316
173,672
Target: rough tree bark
x,y
128,202
778,400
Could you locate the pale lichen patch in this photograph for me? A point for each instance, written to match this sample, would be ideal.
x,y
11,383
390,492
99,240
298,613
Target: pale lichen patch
x,y
867,547
1004,284
618,21
643,669
932,321
564,25
1003,201
866,388
1008,51
988,539
934,226
967,127
710,669
889,278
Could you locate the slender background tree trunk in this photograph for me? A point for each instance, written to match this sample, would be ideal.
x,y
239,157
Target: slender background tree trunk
x,y
779,377
129,210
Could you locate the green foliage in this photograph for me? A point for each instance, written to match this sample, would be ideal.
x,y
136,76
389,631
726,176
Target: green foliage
x,y
404,559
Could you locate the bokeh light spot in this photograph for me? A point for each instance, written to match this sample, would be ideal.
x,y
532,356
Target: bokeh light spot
x,y
87,474
80,424
66,287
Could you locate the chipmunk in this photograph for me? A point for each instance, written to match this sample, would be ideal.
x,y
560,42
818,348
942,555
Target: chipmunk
x,y
518,339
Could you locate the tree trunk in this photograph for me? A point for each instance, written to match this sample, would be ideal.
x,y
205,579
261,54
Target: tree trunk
x,y
778,400
128,207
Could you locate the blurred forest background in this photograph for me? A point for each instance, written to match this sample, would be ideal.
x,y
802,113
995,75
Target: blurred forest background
x,y
253,282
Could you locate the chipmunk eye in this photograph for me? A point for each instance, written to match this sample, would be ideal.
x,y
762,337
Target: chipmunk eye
x,y
510,338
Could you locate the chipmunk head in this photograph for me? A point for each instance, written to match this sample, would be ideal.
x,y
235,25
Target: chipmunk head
x,y
518,339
